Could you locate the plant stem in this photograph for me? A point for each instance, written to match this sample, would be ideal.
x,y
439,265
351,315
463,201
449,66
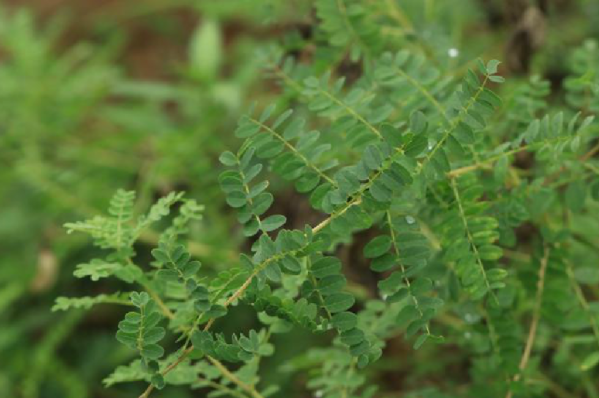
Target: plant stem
x,y
590,153
462,213
234,379
222,388
532,332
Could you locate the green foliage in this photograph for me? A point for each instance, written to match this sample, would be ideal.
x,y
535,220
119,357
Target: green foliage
x,y
349,26
139,331
393,212
66,303
470,235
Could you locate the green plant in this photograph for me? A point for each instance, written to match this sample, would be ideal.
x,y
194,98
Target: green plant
x,y
439,186
452,212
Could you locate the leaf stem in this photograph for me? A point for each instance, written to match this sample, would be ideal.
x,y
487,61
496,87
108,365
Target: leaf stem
x,y
403,270
234,379
427,94
352,112
536,315
592,152
294,150
456,193
456,121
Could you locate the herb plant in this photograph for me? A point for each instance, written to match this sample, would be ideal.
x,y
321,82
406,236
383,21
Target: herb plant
x,y
445,207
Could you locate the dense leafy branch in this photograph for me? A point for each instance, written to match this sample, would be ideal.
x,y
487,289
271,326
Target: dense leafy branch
x,y
440,174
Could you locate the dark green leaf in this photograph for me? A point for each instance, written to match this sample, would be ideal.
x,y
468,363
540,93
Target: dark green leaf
x,y
344,321
152,351
339,302
326,266
273,222
377,247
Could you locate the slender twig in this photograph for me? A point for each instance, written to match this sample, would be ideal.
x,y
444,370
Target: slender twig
x,y
218,386
484,163
493,159
536,315
170,367
165,310
590,153
248,388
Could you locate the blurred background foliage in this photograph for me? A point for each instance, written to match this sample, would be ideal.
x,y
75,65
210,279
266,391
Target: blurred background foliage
x,y
144,95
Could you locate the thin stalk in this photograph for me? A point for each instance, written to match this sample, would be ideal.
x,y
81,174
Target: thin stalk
x,y
536,316
455,123
222,388
471,239
403,270
295,151
234,379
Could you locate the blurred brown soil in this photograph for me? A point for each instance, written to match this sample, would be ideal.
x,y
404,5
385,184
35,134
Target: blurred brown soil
x,y
150,51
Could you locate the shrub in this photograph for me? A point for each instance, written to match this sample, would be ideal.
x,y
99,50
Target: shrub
x,y
476,196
